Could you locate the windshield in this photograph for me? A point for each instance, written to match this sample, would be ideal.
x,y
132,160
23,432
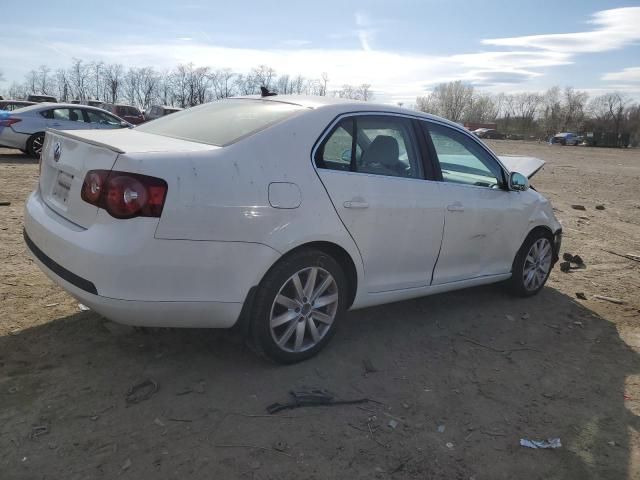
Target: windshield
x,y
222,122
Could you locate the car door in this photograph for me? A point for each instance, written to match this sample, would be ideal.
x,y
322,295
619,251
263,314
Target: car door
x,y
483,220
372,170
66,119
101,120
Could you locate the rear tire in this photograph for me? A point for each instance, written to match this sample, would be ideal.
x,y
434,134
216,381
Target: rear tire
x,y
34,144
533,263
298,306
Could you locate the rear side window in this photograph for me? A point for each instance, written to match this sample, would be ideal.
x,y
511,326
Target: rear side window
x,y
382,145
223,122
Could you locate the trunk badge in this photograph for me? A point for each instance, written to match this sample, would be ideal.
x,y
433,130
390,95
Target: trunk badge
x,y
57,151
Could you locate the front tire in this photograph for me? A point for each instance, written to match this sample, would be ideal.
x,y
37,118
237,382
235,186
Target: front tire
x,y
35,144
298,306
533,263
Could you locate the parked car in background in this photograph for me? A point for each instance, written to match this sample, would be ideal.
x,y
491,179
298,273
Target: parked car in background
x,y
489,133
158,111
566,138
252,206
95,103
41,98
515,136
25,128
11,105
128,112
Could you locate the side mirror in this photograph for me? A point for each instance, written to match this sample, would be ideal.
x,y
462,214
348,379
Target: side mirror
x,y
346,155
518,182
125,124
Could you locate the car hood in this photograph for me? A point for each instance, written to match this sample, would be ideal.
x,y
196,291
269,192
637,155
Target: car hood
x,y
527,166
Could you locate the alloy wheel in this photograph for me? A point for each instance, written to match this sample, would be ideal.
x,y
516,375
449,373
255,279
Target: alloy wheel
x,y
537,264
304,309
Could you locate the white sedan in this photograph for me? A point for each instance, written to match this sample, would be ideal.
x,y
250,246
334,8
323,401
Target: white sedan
x,y
279,214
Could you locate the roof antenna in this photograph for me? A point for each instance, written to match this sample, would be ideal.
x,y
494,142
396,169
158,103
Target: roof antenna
x,y
264,92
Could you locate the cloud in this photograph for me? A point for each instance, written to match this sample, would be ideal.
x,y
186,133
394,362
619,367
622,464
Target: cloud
x,y
630,75
365,33
614,29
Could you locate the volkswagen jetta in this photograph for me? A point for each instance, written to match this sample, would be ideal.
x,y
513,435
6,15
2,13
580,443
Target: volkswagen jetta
x,y
281,213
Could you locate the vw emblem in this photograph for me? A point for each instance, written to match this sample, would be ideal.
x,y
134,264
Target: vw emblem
x,y
57,151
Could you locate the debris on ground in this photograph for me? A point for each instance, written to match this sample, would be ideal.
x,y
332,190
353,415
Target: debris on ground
x,y
599,207
617,301
548,443
613,443
392,424
38,431
83,307
441,428
142,391
51,305
578,207
565,267
450,445
368,366
4,204
280,446
509,317
312,398
577,259
126,465
628,256
581,295
525,316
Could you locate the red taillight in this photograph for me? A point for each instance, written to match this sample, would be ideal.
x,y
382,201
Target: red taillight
x,y
124,195
7,122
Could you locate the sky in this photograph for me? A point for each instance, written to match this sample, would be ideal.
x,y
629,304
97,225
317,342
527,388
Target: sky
x,y
402,48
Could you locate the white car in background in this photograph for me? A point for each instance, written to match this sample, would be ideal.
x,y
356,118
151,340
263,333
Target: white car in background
x,y
281,213
24,128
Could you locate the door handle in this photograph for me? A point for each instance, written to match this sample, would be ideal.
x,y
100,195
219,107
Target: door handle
x,y
455,207
356,204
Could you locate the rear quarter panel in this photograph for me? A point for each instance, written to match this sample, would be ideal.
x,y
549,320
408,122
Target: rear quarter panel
x,y
222,194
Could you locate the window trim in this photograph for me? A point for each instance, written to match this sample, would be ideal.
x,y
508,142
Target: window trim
x,y
318,146
502,183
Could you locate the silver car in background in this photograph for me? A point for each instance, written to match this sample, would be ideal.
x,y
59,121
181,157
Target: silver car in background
x,y
24,128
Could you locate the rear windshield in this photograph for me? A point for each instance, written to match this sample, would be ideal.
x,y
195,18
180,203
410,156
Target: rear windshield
x,y
223,122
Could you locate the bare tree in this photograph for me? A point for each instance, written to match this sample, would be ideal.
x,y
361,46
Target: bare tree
x,y
525,106
449,100
609,110
62,83
575,103
113,78
222,83
482,108
32,81
79,79
44,80
263,76
324,81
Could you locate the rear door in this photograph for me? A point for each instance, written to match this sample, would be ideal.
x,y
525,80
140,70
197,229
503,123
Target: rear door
x,y
373,172
482,219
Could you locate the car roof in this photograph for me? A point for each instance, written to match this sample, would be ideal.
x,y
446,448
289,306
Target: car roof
x,y
47,105
345,105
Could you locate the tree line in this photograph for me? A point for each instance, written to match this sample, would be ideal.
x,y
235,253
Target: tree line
x,y
183,86
533,113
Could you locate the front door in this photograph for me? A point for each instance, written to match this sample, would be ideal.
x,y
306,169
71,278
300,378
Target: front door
x,y
371,168
482,219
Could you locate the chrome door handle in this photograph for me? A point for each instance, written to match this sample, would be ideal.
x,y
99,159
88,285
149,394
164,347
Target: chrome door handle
x,y
356,204
455,207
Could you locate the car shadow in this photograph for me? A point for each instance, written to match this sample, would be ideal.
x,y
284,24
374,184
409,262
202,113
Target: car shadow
x,y
463,375
16,157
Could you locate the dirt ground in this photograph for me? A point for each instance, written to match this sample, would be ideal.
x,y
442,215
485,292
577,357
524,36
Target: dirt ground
x,y
461,376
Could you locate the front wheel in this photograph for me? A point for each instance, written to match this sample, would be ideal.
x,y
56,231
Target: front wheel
x,y
298,306
533,263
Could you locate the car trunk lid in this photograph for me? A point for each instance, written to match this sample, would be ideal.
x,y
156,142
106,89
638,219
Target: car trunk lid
x,y
68,156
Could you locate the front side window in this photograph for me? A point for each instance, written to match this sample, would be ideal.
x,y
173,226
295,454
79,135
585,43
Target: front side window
x,y
102,118
462,160
222,122
375,144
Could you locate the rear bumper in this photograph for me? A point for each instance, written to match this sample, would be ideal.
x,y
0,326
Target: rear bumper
x,y
11,139
121,271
